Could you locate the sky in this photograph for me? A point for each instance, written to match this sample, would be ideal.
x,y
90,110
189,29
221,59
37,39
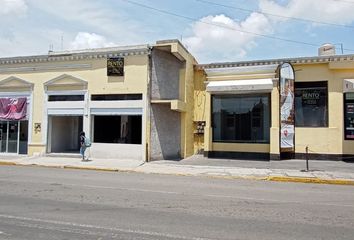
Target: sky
x,y
212,30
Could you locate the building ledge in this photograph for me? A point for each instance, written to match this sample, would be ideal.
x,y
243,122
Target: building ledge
x,y
175,104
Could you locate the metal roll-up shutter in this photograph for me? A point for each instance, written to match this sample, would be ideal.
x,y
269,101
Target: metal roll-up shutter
x,y
66,111
116,111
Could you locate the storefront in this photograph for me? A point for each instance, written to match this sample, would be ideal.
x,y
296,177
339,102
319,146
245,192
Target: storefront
x,y
65,98
117,125
153,102
15,115
267,110
123,98
240,119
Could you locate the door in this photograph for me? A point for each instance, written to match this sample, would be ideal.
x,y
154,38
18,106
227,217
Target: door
x,y
64,134
13,132
3,136
13,137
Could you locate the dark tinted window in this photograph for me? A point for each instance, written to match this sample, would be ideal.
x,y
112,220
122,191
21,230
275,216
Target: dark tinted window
x,y
311,104
116,97
53,98
240,118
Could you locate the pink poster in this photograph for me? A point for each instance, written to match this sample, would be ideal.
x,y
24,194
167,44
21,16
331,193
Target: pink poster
x,y
13,108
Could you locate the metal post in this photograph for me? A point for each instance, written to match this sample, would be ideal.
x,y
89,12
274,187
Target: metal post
x,y
307,158
7,137
18,136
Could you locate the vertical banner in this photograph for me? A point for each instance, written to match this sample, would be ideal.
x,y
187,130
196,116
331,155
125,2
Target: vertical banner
x,y
13,108
287,107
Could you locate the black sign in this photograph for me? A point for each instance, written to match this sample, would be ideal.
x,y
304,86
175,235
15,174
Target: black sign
x,y
115,67
349,120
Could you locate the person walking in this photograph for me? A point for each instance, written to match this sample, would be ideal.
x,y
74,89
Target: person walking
x,y
82,145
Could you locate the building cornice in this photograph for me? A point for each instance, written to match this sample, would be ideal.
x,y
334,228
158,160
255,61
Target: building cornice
x,y
88,54
301,60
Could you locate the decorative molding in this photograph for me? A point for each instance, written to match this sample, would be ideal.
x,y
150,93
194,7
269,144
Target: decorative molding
x,y
47,67
21,83
76,81
303,60
88,54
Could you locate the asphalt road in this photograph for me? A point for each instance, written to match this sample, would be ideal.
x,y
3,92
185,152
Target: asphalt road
x,y
47,203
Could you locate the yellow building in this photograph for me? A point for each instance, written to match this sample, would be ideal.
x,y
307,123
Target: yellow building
x,y
152,102
239,104
130,101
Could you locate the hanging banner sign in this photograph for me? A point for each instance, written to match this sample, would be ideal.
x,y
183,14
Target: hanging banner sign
x,y
13,108
287,107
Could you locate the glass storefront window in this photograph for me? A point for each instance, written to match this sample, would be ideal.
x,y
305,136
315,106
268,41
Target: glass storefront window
x,y
241,118
13,137
311,108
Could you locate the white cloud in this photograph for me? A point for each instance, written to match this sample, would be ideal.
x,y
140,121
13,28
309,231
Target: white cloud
x,y
228,42
92,15
84,40
13,7
332,11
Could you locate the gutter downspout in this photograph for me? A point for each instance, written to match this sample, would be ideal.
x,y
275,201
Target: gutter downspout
x,y
148,107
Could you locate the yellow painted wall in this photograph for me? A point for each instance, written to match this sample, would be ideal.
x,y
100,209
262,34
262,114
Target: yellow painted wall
x,y
327,140
187,96
134,81
275,114
200,110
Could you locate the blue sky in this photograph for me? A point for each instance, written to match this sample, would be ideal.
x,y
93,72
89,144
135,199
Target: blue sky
x,y
212,30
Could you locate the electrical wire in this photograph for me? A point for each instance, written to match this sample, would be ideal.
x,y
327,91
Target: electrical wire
x,y
276,15
345,1
224,26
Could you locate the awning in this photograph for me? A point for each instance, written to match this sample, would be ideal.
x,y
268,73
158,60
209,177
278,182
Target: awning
x,y
240,86
116,111
245,70
13,108
348,85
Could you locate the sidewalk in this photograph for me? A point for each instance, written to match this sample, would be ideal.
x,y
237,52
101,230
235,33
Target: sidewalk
x,y
329,172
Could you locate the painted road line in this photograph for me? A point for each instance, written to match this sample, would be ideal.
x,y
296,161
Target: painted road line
x,y
38,223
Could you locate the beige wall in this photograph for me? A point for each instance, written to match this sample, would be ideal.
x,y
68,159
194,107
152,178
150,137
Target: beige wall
x,y
134,81
187,116
326,140
202,112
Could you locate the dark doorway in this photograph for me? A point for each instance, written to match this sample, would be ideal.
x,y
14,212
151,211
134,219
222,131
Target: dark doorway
x,y
64,134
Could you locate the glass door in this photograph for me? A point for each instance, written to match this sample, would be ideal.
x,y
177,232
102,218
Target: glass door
x,y
3,136
13,137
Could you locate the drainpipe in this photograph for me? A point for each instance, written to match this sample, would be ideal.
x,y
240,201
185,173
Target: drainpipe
x,y
148,107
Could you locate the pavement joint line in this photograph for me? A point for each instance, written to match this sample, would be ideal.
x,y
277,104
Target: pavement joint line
x,y
285,178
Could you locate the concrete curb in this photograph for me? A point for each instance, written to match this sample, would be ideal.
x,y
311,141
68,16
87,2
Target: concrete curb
x,y
314,180
7,163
